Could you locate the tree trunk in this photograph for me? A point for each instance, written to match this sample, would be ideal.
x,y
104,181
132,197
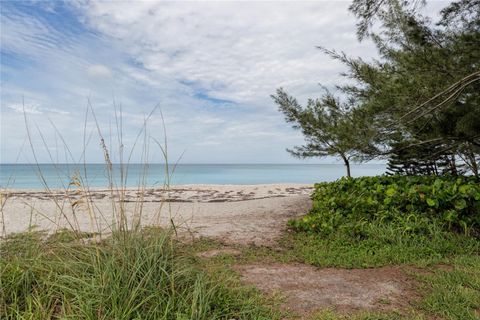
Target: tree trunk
x,y
471,161
347,164
474,167
453,165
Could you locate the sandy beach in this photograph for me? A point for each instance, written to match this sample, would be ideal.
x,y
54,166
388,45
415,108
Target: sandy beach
x,y
243,214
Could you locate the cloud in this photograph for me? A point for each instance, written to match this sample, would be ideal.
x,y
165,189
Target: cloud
x,y
25,109
99,70
231,50
210,66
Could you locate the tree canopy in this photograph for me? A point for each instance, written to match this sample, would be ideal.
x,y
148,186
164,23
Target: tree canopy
x,y
330,127
420,100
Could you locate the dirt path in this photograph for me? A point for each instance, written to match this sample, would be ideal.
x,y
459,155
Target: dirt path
x,y
308,289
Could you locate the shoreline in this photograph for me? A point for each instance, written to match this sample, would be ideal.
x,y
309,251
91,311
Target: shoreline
x,y
171,186
184,193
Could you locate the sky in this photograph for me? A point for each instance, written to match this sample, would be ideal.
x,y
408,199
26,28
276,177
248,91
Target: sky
x,y
75,72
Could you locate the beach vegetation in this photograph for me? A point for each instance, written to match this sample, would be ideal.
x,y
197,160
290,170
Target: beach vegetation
x,y
386,220
119,269
414,204
132,275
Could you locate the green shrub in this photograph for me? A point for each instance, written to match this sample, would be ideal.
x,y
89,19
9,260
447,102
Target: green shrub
x,y
413,204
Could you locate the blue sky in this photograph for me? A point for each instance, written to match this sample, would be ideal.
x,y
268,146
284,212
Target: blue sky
x,y
209,66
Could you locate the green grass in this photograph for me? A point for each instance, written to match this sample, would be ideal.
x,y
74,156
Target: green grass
x,y
454,293
139,275
149,275
445,267
331,315
388,247
385,246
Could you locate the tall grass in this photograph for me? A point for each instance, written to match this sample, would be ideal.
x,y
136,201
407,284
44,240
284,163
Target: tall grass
x,y
123,271
144,277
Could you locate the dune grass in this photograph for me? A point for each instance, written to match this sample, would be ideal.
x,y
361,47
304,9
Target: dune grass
x,y
135,275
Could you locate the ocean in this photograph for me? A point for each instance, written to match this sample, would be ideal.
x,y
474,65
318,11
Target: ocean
x,y
28,176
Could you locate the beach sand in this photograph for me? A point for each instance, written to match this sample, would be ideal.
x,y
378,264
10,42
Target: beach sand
x,y
233,214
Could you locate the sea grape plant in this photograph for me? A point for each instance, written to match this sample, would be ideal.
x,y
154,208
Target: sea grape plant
x,y
413,203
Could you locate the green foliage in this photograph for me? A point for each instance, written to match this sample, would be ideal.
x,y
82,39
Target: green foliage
x,y
412,204
132,276
327,125
418,160
422,93
427,221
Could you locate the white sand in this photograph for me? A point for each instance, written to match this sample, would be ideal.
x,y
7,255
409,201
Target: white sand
x,y
243,214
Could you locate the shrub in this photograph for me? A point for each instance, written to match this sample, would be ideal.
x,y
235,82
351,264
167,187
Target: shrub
x,y
413,204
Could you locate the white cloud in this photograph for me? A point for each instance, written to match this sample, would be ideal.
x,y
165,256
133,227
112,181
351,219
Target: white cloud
x,y
234,50
99,70
27,109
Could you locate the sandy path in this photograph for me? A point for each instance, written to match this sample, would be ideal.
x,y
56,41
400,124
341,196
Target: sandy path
x,y
246,214
308,289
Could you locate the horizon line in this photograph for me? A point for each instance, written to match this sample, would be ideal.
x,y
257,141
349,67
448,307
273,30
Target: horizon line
x,y
189,163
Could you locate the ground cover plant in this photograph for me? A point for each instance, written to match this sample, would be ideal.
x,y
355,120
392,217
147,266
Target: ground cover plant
x,y
134,275
386,248
375,221
414,204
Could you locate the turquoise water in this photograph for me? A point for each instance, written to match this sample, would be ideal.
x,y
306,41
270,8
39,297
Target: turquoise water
x,y
27,176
